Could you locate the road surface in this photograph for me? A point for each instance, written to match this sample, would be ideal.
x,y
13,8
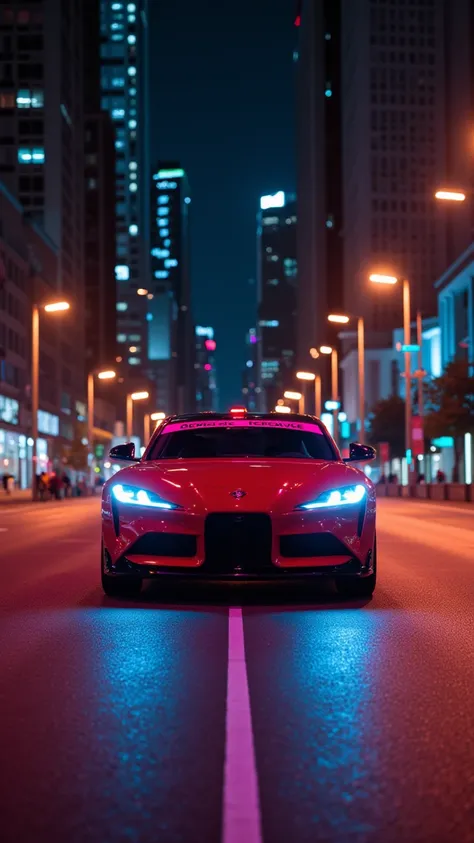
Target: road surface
x,y
157,721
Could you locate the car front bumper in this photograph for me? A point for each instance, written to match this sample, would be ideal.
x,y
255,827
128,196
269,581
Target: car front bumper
x,y
237,545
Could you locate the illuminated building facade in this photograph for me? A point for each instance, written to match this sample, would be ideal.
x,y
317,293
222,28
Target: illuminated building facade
x,y
250,387
170,327
277,287
124,86
205,369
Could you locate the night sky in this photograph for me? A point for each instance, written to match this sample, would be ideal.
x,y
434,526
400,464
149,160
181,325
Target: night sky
x,y
222,102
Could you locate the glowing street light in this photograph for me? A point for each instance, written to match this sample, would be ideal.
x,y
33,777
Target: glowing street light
x,y
339,318
157,416
326,349
51,307
450,195
314,353
142,292
392,279
343,319
131,398
305,376
280,408
106,375
292,396
149,417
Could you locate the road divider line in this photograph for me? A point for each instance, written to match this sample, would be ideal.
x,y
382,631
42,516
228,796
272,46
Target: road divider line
x,y
241,805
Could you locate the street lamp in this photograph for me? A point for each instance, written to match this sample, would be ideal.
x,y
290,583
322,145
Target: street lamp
x,y
306,377
106,375
52,307
447,195
392,279
343,319
156,417
328,349
295,396
131,398
280,408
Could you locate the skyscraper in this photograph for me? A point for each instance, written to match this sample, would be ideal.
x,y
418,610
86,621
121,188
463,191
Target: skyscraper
x,y
400,77
277,281
205,368
170,337
41,148
124,84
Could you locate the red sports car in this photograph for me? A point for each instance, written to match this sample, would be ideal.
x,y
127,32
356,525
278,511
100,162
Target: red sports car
x,y
239,496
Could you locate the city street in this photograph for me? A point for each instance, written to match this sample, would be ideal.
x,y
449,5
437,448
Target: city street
x,y
115,716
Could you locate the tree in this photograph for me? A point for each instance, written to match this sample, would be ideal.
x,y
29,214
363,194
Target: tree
x,y
387,424
450,406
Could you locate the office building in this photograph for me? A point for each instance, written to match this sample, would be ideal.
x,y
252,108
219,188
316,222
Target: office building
x,y
250,388
41,150
205,369
170,326
277,286
385,105
124,85
99,204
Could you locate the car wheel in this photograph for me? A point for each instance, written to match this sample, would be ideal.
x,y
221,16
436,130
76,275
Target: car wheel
x,y
359,587
119,586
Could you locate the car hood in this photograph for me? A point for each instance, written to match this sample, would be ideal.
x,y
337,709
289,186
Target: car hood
x,y
268,485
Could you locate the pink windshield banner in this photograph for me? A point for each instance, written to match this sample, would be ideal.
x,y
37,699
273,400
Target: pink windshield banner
x,y
206,424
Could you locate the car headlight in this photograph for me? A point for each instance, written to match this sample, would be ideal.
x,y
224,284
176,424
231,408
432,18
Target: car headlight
x,y
140,497
337,497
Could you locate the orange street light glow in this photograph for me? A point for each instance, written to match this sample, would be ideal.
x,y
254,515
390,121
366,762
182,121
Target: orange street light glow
x,y
282,409
142,292
57,305
106,376
314,353
338,317
383,279
139,396
326,349
158,416
292,396
450,195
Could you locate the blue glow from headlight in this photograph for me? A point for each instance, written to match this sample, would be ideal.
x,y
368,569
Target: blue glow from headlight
x,y
337,497
140,497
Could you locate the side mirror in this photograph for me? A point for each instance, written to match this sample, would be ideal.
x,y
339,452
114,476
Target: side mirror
x,y
360,453
124,453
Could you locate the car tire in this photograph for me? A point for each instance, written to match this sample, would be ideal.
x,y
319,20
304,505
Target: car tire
x,y
359,587
119,586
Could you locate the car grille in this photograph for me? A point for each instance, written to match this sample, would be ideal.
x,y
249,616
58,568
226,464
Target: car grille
x,y
164,544
305,545
238,543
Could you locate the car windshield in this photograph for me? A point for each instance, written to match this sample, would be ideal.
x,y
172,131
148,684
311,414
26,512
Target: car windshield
x,y
255,442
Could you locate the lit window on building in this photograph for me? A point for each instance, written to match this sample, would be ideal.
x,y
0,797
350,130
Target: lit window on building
x,y
121,338
118,113
170,262
166,242
122,306
29,99
161,223
133,187
31,156
134,337
164,232
132,71
116,7
159,253
161,273
187,200
131,7
163,212
132,124
133,165
131,18
134,361
270,220
133,230
132,39
118,82
133,176
149,317
163,200
122,272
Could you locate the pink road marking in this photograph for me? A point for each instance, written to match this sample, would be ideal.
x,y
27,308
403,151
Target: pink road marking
x,y
241,808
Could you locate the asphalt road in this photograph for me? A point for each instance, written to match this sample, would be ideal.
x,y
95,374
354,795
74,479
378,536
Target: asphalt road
x,y
114,716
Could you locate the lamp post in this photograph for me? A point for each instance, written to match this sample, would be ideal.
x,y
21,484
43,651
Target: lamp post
x,y
306,377
317,396
343,320
295,396
149,417
106,375
391,279
328,349
52,307
131,398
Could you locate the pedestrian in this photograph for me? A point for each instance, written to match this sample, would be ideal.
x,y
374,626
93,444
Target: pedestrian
x,y
67,485
5,480
440,476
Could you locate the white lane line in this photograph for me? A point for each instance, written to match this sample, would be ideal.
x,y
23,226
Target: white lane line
x,y
241,808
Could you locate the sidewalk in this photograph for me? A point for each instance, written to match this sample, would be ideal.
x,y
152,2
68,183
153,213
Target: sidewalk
x,y
17,496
